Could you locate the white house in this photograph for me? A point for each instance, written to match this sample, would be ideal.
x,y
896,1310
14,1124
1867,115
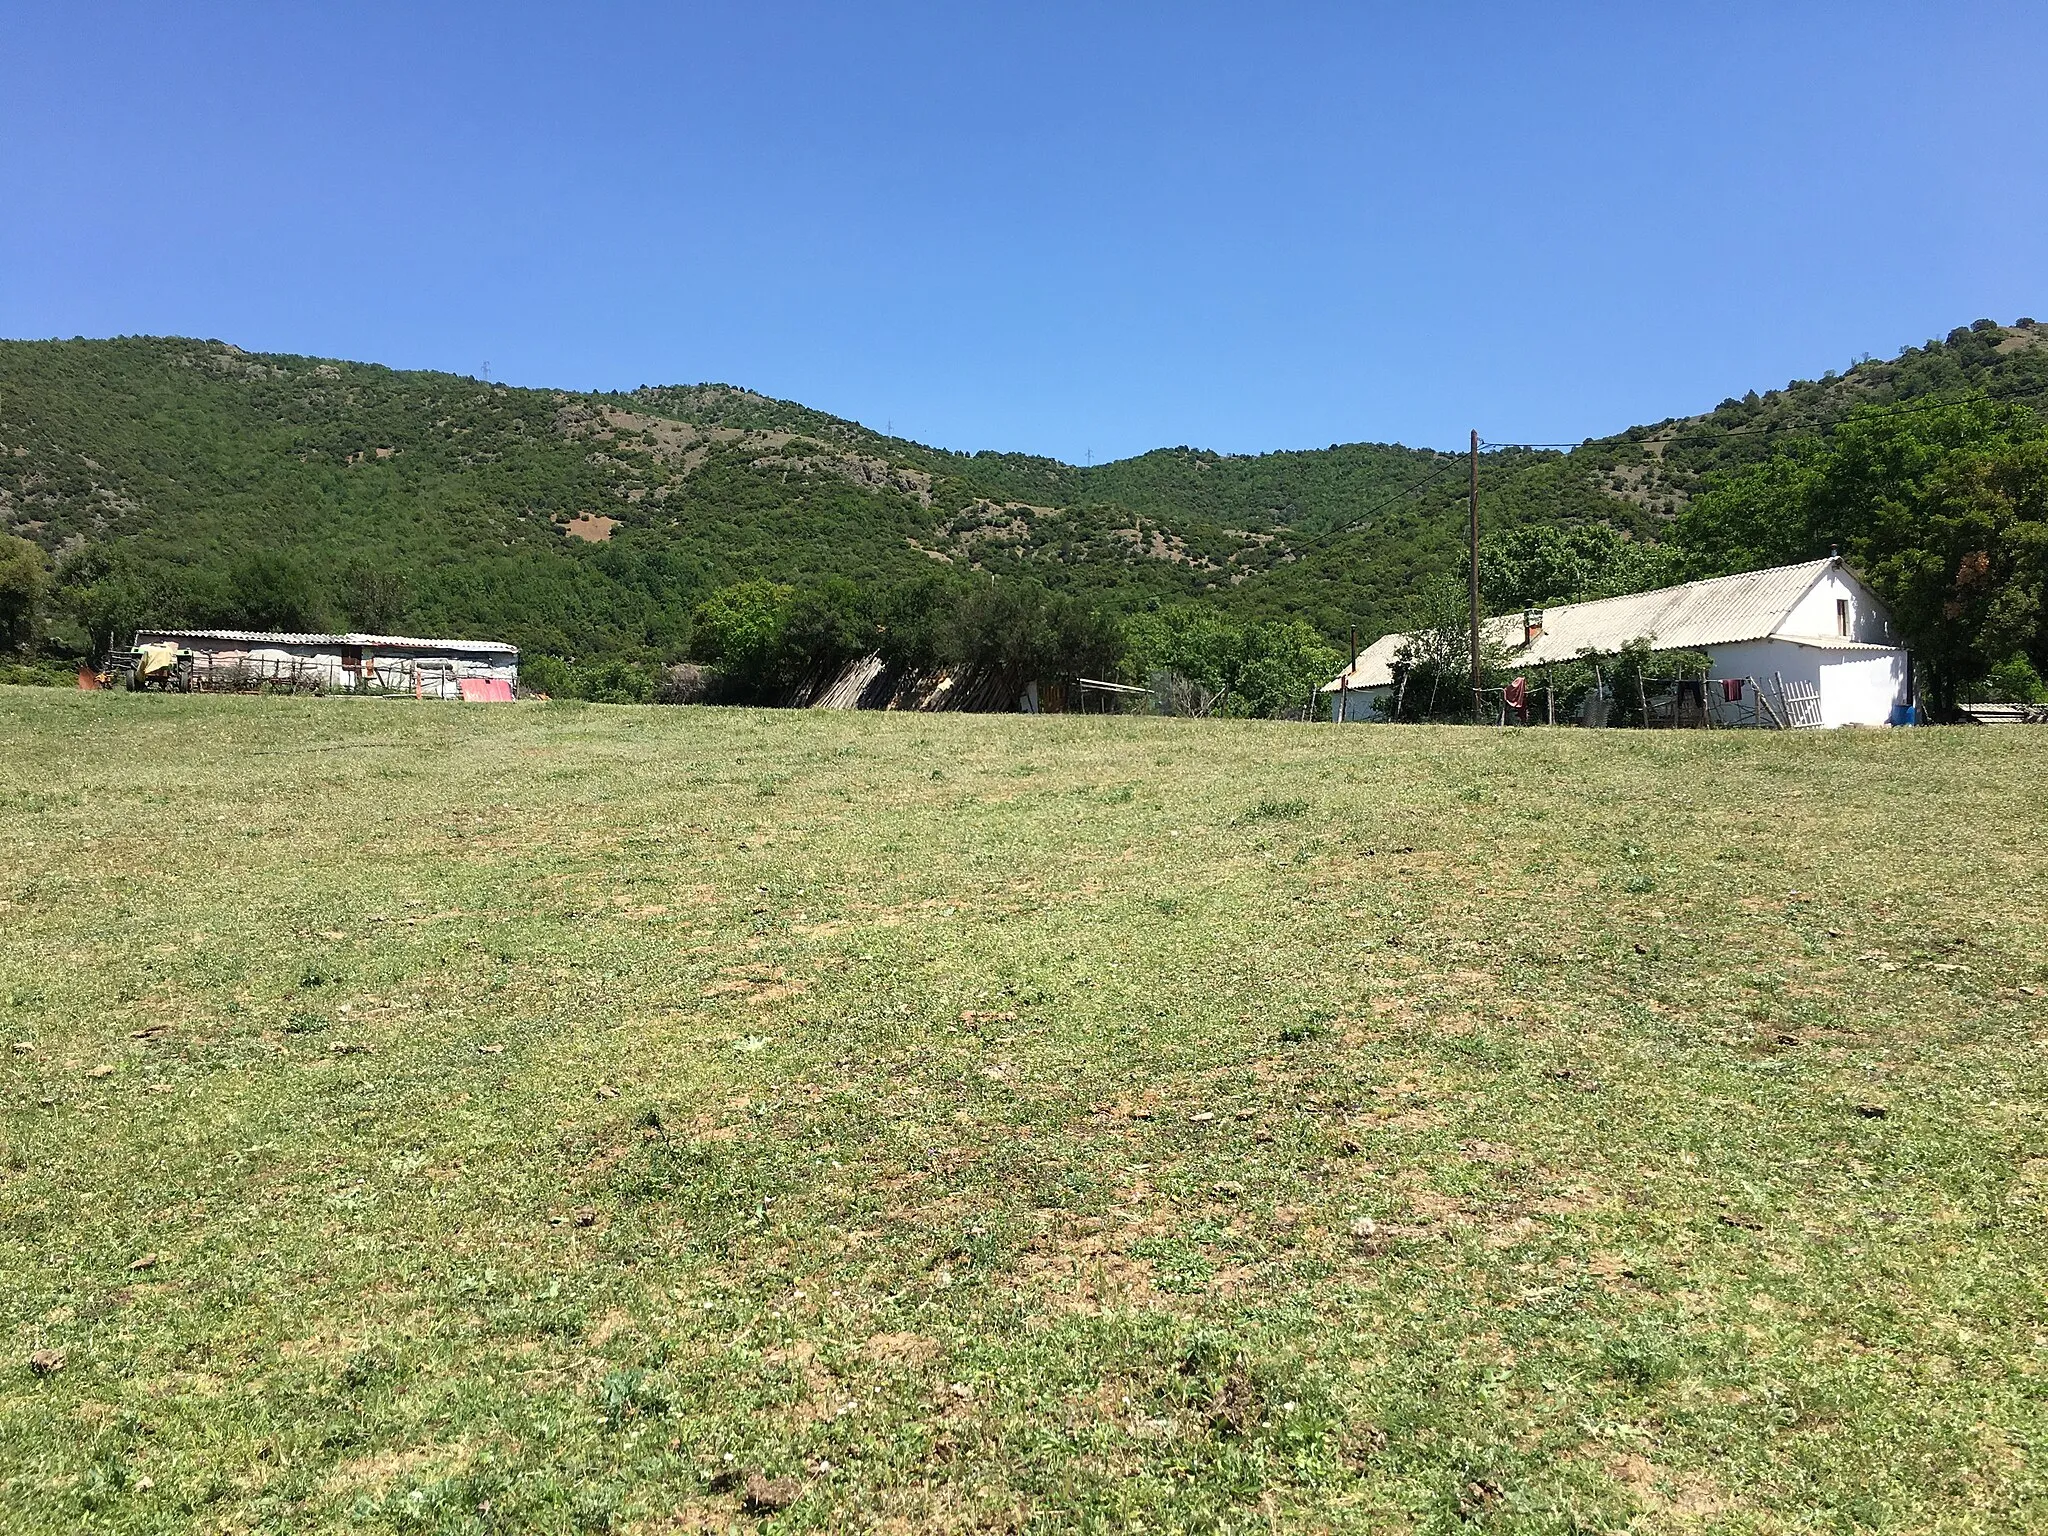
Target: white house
x,y
1814,625
347,663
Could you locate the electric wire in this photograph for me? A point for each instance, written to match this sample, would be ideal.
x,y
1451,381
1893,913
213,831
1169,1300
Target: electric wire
x,y
1436,474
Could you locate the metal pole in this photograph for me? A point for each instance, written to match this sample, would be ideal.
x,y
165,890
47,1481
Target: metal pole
x,y
1476,701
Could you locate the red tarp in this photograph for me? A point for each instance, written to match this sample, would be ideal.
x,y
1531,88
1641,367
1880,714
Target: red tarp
x,y
477,690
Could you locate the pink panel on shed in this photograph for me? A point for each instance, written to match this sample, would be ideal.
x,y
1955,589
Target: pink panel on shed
x,y
479,690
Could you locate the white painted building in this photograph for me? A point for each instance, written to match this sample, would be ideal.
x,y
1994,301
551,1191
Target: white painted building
x,y
1815,624
432,669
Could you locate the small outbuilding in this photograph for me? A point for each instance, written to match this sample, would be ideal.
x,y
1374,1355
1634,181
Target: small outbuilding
x,y
1815,630
434,669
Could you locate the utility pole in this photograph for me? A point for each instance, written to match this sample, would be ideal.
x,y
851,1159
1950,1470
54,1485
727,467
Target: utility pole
x,y
1477,706
1344,694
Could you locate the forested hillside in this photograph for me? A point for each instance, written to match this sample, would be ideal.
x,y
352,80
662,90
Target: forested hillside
x,y
178,481
188,481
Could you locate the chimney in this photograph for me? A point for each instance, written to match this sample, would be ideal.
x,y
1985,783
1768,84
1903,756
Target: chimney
x,y
1532,625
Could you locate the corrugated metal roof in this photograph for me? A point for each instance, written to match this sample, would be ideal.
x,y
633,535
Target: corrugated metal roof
x,y
272,637
1372,668
1724,610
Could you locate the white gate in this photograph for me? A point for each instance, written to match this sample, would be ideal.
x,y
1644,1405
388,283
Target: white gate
x,y
1802,703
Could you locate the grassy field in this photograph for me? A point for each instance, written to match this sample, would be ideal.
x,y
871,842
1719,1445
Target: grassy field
x,y
561,1118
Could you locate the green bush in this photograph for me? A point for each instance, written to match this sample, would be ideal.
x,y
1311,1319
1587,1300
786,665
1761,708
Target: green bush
x,y
39,674
2014,682
738,629
614,682
23,581
542,673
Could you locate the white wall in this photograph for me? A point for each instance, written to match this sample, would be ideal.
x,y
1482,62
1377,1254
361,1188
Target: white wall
x,y
1360,704
1859,688
1764,660
1856,687
394,663
1815,613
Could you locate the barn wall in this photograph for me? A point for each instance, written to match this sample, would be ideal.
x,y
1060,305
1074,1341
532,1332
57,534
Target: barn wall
x,y
394,663
1861,689
1761,659
1856,687
495,668
1363,704
1814,614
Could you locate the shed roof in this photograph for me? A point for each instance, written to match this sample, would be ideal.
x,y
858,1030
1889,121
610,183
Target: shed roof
x,y
274,637
1723,610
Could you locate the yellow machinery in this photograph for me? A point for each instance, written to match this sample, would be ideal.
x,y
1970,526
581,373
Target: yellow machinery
x,y
155,666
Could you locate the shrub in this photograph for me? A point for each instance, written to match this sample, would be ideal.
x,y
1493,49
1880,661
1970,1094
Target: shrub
x,y
39,674
684,683
542,673
614,682
23,581
739,630
2015,682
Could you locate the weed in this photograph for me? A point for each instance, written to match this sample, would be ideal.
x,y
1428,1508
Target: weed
x,y
1271,809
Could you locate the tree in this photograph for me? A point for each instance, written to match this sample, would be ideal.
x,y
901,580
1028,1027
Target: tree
x,y
1257,670
915,630
1198,644
1540,564
1027,633
23,582
738,629
823,628
1435,661
273,591
1944,511
374,596
102,596
1280,668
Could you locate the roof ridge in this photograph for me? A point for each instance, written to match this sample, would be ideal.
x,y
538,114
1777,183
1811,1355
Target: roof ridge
x,y
317,637
1683,586
1712,610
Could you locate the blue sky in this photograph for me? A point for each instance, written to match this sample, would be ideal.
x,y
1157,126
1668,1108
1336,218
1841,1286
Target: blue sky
x,y
1084,230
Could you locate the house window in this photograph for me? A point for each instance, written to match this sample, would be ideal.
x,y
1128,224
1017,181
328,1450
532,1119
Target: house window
x,y
1841,616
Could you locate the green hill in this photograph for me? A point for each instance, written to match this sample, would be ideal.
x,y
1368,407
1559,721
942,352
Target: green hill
x,y
185,481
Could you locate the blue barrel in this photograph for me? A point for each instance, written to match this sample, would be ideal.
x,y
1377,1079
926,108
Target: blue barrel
x,y
1905,714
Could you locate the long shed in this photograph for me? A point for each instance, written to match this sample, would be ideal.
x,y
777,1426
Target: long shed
x,y
350,663
1814,625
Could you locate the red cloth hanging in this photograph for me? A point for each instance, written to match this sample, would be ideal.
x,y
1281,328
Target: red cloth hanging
x,y
1516,697
1731,690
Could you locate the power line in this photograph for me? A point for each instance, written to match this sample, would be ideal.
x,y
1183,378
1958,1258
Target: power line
x,y
1436,474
